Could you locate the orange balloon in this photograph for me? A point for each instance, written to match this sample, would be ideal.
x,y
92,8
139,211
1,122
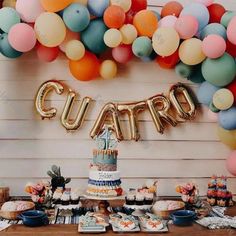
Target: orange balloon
x,y
171,8
85,69
55,5
114,17
146,23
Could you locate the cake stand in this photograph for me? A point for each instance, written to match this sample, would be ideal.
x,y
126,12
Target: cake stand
x,y
139,210
104,202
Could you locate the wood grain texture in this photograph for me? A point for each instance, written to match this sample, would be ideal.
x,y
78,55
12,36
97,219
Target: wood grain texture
x,y
28,145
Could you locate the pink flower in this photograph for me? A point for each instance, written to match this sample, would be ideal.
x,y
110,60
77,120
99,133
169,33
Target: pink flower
x,y
35,198
39,187
189,186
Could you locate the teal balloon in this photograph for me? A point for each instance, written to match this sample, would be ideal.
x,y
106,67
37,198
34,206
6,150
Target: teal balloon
x,y
227,17
150,58
6,49
213,28
219,72
183,70
142,47
196,75
92,37
206,92
227,119
213,108
8,17
76,17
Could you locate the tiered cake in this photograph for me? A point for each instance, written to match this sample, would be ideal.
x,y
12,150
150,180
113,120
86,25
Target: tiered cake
x,y
104,179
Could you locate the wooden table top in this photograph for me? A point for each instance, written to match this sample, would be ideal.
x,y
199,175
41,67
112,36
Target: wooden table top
x,y
71,230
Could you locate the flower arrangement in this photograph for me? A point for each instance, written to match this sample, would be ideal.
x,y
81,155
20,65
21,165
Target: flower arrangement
x,y
40,192
189,192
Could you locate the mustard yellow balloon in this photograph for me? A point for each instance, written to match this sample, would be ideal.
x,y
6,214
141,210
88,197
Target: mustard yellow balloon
x,y
84,2
108,69
228,137
9,3
50,29
75,50
165,41
112,38
129,33
223,99
190,52
125,4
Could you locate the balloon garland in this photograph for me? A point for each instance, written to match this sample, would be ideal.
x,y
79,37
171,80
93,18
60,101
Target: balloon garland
x,y
197,40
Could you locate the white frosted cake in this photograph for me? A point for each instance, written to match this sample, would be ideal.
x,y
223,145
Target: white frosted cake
x,y
104,179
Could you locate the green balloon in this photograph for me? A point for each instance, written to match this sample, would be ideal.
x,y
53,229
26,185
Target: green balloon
x,y
196,75
142,46
226,18
8,18
183,70
6,49
213,108
92,37
219,72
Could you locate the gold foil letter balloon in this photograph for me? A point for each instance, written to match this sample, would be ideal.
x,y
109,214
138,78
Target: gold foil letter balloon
x,y
132,109
109,110
45,88
159,106
83,108
175,91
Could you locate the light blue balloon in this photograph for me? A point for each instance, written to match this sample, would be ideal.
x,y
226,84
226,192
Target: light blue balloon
x,y
142,46
6,49
227,119
76,17
97,8
199,11
206,92
213,28
8,18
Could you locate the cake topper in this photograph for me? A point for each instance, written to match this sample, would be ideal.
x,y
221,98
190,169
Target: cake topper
x,y
106,140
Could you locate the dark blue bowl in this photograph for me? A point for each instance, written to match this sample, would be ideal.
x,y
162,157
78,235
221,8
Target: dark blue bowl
x,y
183,217
34,218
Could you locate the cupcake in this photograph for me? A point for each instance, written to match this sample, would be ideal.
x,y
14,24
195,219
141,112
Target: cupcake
x,y
139,200
65,198
130,199
148,198
74,197
56,197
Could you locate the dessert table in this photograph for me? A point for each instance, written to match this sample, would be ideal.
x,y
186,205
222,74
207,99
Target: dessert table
x,y
71,230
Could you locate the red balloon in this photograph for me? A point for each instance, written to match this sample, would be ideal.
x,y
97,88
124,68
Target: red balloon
x,y
168,62
129,17
171,8
122,53
216,12
85,69
232,88
47,54
138,5
231,48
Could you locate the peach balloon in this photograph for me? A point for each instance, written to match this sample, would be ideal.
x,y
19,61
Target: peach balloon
x,y
213,46
205,2
231,30
167,21
171,8
85,69
69,36
146,23
186,26
231,163
55,5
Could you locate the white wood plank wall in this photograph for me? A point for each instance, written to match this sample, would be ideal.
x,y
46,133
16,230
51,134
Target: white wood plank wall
x,y
28,145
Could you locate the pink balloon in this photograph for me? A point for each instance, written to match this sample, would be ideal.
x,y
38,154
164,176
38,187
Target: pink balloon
x,y
186,26
122,53
167,21
22,37
213,46
29,10
212,116
205,2
47,54
231,163
231,30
